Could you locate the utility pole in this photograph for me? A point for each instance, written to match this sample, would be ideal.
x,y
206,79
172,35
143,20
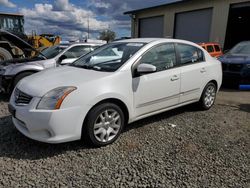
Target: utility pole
x,y
88,26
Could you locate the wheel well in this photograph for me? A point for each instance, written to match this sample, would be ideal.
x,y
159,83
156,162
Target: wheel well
x,y
114,101
211,81
214,82
28,71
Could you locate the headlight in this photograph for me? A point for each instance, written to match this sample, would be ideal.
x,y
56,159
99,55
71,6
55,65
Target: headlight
x,y
54,98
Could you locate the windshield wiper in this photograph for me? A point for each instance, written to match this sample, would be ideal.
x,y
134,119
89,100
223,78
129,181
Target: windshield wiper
x,y
83,66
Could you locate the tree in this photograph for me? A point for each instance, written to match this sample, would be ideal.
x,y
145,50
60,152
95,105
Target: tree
x,y
107,35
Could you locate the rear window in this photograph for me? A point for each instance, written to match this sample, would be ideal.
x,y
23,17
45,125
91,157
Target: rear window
x,y
190,54
210,48
217,48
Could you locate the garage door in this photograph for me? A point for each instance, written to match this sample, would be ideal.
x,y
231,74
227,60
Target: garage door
x,y
151,27
194,26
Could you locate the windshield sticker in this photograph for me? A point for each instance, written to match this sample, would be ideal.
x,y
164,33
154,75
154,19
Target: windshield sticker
x,y
135,44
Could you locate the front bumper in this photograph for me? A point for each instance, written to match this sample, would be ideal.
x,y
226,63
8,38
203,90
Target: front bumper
x,y
236,77
49,126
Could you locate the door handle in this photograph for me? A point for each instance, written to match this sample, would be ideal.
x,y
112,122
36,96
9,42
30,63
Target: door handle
x,y
203,70
174,78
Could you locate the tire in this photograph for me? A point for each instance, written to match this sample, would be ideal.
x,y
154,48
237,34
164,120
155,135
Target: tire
x,y
208,96
99,122
5,54
20,77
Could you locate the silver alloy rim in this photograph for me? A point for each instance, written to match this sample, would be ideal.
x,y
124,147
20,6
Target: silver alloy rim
x,y
107,125
210,96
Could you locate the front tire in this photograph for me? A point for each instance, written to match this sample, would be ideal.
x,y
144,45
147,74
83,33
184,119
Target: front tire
x,y
5,54
208,96
103,125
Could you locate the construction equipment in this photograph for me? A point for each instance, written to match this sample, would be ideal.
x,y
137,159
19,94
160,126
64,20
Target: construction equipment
x,y
40,42
14,23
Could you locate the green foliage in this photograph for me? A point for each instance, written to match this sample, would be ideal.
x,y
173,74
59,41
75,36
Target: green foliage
x,y
107,35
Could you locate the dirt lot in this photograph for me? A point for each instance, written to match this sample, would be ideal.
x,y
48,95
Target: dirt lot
x,y
205,149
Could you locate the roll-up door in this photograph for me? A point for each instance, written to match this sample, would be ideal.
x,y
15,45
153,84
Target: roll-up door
x,y
151,27
194,25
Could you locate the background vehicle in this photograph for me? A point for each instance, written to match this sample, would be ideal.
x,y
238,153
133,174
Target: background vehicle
x,y
12,71
94,101
236,64
213,48
9,48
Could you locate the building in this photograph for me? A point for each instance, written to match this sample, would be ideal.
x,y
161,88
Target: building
x,y
223,21
12,22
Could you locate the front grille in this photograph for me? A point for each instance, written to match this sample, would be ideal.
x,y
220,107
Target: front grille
x,y
235,67
21,98
224,66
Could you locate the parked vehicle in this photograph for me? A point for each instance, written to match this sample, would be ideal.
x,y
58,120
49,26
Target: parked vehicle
x,y
94,101
213,48
12,71
236,63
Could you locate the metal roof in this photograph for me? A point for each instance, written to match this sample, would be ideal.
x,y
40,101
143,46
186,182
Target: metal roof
x,y
148,8
10,14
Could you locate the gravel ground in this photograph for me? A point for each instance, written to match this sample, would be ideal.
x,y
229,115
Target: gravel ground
x,y
204,149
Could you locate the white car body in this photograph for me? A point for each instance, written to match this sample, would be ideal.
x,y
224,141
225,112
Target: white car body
x,y
142,96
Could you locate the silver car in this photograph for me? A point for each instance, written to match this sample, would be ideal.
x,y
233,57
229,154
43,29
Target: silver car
x,y
12,71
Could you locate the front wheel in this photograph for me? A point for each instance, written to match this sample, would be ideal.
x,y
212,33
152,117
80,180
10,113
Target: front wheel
x,y
208,96
103,125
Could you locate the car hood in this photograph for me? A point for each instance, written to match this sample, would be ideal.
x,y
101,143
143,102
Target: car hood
x,y
40,83
18,61
233,58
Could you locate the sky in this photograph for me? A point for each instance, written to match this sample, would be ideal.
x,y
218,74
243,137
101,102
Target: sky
x,y
70,18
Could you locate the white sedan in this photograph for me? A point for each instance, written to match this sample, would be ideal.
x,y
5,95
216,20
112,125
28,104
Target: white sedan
x,y
95,100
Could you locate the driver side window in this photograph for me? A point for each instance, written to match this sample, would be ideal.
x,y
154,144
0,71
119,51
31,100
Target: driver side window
x,y
77,51
162,57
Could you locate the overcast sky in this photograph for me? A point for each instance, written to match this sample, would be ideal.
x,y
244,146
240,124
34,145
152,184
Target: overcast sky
x,y
69,18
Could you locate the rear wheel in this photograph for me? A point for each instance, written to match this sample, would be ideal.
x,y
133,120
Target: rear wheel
x,y
103,125
5,54
208,96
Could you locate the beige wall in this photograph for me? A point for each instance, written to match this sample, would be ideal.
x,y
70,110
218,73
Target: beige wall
x,y
219,19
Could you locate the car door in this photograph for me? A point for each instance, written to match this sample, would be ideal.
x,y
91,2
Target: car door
x,y
193,72
158,90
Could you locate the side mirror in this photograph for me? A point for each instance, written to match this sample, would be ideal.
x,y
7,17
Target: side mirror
x,y
67,61
61,58
145,69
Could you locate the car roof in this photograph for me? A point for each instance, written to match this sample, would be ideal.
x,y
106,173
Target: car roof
x,y
80,44
139,40
150,40
84,43
244,42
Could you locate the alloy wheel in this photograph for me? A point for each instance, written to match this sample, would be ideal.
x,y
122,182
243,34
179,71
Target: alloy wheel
x,y
209,96
107,125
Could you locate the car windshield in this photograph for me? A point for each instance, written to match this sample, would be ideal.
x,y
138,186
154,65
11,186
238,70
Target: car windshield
x,y
109,57
241,49
53,51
